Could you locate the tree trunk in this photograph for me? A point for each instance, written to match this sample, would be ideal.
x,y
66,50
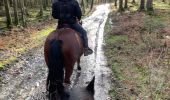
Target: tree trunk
x,y
133,1
41,9
92,3
25,7
126,4
47,2
1,4
25,3
87,3
149,5
15,12
18,2
10,3
115,3
142,5
163,0
31,3
82,5
23,13
44,4
121,6
8,16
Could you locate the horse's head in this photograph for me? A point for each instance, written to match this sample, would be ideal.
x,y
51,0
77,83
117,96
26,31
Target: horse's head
x,y
79,93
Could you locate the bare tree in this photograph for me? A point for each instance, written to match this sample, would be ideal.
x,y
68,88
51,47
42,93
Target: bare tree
x,y
1,4
126,4
82,5
23,13
41,8
8,16
149,5
92,3
133,1
16,12
115,3
142,5
121,5
44,4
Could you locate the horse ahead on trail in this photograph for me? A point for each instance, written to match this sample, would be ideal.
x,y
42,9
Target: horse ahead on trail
x,y
63,48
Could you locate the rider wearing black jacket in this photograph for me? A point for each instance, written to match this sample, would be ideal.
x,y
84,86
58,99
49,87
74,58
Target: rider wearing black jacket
x,y
68,12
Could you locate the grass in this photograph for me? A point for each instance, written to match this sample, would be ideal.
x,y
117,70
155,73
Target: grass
x,y
7,61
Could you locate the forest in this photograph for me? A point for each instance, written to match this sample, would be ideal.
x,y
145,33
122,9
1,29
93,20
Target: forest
x,y
23,12
136,45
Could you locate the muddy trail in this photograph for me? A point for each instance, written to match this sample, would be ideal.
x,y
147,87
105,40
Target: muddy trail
x,y
25,80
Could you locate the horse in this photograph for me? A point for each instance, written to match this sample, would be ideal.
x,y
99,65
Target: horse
x,y
62,49
78,93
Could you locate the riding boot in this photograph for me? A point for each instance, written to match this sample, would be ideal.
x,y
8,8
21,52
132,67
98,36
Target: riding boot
x,y
87,50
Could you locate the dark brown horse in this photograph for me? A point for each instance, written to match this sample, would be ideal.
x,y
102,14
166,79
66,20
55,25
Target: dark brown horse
x,y
62,49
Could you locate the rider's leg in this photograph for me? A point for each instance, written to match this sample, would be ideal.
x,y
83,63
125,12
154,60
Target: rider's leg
x,y
83,33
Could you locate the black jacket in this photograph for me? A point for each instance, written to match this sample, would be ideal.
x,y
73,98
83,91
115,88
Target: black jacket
x,y
74,9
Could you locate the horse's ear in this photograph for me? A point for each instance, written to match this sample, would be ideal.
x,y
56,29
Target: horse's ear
x,y
90,86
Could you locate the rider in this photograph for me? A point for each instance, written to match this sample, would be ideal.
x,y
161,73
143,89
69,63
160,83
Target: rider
x,y
68,12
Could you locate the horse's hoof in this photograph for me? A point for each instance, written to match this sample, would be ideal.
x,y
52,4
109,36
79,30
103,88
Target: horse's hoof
x,y
79,68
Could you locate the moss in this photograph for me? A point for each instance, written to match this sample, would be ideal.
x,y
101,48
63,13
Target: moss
x,y
133,7
1,78
161,5
108,26
116,39
117,70
7,61
40,35
21,50
153,24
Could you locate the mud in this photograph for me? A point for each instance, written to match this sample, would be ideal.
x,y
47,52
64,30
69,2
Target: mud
x,y
25,80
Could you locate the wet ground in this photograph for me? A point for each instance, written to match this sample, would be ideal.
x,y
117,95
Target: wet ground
x,y
25,80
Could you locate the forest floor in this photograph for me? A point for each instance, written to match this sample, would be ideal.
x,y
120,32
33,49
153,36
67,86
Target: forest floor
x,y
23,70
138,51
17,41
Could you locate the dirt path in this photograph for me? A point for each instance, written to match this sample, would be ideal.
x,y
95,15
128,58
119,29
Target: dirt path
x,y
25,80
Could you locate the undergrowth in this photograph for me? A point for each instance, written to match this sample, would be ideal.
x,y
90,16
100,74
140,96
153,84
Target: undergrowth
x,y
137,55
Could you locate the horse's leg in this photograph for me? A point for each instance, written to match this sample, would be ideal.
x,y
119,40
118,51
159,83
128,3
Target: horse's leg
x,y
68,72
78,64
47,82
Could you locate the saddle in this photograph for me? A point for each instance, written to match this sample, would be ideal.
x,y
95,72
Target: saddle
x,y
63,26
